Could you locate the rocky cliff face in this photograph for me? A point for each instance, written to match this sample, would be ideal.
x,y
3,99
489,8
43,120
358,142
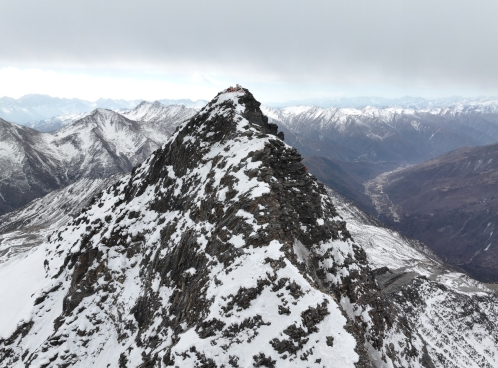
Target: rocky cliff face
x,y
219,250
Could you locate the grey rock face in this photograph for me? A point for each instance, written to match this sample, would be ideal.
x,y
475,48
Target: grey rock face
x,y
29,168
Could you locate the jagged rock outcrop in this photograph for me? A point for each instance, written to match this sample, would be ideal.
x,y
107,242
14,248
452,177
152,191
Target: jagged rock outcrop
x,y
219,250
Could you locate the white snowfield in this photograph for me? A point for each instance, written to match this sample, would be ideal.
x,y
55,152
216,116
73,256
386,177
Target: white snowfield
x,y
102,328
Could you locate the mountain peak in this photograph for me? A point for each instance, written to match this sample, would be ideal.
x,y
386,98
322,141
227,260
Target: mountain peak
x,y
219,250
103,111
238,108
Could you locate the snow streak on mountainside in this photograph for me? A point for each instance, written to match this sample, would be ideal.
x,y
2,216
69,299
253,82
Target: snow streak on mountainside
x,y
99,145
218,250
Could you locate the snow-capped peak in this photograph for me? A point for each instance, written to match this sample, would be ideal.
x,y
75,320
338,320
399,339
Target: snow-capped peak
x,y
219,250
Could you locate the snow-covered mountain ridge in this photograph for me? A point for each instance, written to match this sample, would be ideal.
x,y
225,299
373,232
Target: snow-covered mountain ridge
x,y
381,102
99,145
38,110
403,135
219,250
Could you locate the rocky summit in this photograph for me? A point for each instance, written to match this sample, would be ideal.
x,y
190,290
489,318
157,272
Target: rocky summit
x,y
220,250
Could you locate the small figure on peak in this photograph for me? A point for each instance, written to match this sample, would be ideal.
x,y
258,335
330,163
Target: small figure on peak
x,y
237,87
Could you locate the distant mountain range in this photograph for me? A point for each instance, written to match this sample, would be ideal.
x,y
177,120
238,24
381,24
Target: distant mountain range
x,y
381,102
100,144
34,108
405,136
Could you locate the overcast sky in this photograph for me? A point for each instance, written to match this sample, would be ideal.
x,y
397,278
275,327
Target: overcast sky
x,y
280,50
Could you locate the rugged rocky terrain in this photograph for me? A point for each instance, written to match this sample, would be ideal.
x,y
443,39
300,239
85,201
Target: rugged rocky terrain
x,y
451,204
221,250
99,145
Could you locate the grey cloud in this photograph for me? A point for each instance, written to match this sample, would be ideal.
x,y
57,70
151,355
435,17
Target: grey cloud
x,y
426,43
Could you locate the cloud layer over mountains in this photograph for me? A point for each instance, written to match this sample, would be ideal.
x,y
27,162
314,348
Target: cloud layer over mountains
x,y
444,45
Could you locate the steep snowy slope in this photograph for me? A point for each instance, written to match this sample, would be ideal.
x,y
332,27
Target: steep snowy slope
x,y
29,166
221,250
102,144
